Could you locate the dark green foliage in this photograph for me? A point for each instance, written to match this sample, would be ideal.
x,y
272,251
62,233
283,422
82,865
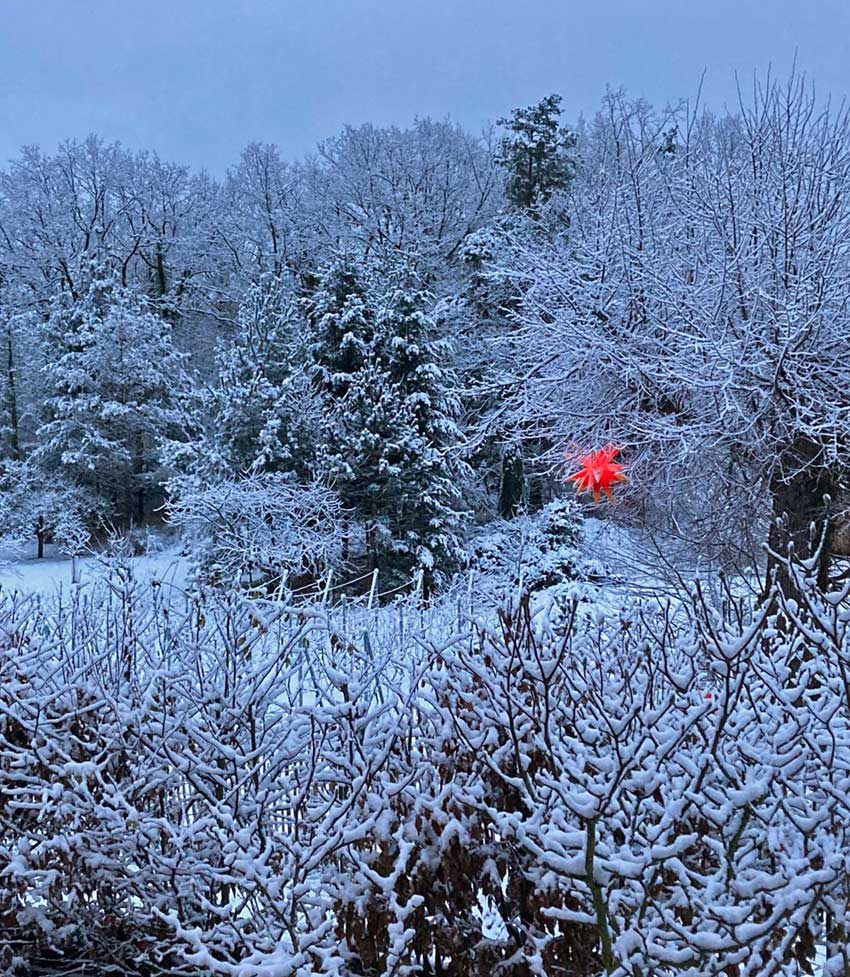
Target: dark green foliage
x,y
536,153
390,443
109,378
342,326
513,484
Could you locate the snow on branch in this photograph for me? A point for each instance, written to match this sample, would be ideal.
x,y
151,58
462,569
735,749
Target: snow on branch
x,y
217,786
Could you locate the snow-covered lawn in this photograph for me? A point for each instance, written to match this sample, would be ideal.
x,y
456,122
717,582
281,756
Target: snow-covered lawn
x,y
56,573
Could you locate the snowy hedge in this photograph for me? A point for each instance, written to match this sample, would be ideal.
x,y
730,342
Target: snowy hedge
x,y
226,787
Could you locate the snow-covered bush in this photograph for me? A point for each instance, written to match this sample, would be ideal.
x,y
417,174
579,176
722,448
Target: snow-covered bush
x,y
536,551
143,540
37,509
261,528
234,788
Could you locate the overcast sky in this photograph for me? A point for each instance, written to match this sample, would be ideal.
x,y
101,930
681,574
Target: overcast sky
x,y
197,80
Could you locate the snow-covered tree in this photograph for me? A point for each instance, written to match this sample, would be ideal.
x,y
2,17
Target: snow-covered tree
x,y
36,510
342,327
266,215
135,214
487,314
411,348
109,376
391,442
20,380
260,413
417,191
536,152
697,314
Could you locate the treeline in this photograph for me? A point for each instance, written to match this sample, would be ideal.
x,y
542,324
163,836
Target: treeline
x,y
321,323
423,323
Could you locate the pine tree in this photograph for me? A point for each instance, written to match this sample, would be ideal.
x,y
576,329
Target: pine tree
x,y
110,367
429,492
20,368
263,408
390,442
257,423
342,326
366,447
536,153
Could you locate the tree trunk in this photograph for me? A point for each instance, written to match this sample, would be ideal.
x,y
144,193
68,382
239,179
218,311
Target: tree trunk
x,y
513,484
804,494
39,535
371,554
138,472
346,540
161,279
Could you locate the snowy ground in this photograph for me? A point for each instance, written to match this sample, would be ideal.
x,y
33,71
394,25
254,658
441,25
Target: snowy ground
x,y
634,566
641,565
56,573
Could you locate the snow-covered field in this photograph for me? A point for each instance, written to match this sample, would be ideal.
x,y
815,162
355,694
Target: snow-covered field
x,y
56,573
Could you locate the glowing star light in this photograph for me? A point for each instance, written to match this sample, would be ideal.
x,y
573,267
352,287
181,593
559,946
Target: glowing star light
x,y
598,473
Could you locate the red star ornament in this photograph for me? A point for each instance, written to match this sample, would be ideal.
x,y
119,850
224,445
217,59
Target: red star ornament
x,y
598,473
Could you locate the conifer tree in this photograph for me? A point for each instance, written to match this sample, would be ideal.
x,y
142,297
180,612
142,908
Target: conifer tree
x,y
263,408
536,153
253,430
429,491
109,373
390,441
342,325
341,331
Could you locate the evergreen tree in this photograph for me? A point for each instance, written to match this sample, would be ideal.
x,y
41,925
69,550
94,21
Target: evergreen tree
x,y
342,326
536,153
263,407
110,368
429,492
260,417
391,441
512,489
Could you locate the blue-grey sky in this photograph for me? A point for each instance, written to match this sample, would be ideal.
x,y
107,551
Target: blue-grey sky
x,y
197,80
